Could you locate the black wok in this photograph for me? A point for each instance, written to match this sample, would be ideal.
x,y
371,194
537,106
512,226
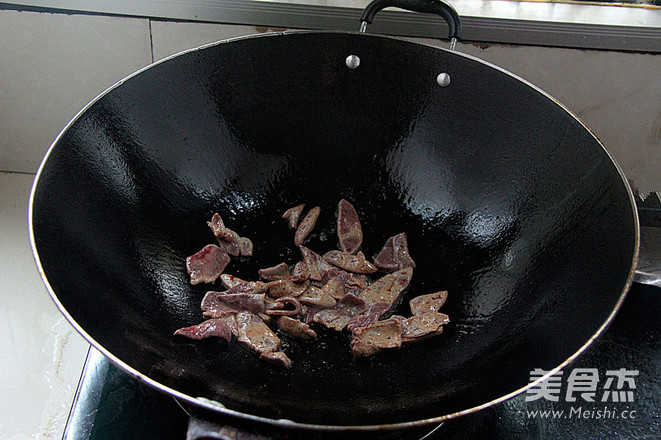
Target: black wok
x,y
509,202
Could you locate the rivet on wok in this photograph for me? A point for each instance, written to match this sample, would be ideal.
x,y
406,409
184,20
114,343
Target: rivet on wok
x,y
443,79
352,61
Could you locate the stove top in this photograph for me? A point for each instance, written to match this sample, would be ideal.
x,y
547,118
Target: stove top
x,y
110,404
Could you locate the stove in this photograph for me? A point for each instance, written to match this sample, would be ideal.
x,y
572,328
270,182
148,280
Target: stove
x,y
111,404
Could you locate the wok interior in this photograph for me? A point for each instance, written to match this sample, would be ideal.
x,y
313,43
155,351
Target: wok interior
x,y
508,203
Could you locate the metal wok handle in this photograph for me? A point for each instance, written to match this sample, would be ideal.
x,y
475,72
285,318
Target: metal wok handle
x,y
426,6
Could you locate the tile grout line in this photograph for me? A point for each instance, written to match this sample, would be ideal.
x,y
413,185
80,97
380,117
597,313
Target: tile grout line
x,y
151,41
25,173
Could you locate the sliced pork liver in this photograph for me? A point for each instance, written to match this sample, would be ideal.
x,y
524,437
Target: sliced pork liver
x,y
218,304
335,287
229,240
256,335
376,336
277,272
245,247
206,265
293,214
277,358
354,283
222,328
286,287
315,263
285,306
306,225
339,316
424,325
317,297
395,254
295,328
431,302
353,263
349,230
387,289
230,281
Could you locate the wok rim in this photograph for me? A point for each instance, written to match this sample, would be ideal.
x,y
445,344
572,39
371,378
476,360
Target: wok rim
x,y
287,423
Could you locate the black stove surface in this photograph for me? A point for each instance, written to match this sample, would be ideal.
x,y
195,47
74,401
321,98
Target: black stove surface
x,y
110,404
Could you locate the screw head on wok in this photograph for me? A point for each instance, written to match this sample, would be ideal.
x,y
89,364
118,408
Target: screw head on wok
x,y
352,61
443,79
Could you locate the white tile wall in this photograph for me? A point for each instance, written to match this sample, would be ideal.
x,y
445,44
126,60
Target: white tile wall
x,y
41,355
172,37
51,65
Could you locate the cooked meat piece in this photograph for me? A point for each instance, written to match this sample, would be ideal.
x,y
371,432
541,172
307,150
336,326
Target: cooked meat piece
x,y
301,272
250,302
279,288
254,333
362,320
372,314
363,349
352,283
348,227
419,327
230,282
353,263
395,254
288,306
316,264
245,247
378,335
332,318
432,302
277,272
222,328
351,304
217,226
206,265
213,307
227,239
306,225
218,304
339,317
295,327
311,311
317,297
249,287
335,287
266,318
277,358
387,289
293,214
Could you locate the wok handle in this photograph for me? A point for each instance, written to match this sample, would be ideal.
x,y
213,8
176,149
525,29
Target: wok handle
x,y
437,7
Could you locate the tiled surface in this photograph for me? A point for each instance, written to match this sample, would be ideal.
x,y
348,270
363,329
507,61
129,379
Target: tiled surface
x,y
172,37
41,355
51,65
